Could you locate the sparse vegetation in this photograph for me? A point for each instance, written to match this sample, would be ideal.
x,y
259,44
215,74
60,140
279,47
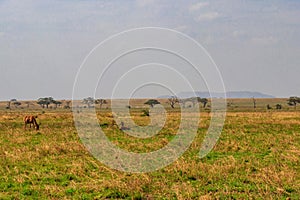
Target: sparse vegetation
x,y
256,157
293,101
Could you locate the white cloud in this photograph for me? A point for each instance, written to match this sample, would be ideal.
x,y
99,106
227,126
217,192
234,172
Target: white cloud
x,y
198,6
208,16
2,34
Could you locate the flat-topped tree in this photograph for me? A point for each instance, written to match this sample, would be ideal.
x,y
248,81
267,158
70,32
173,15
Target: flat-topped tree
x,y
46,101
16,103
152,102
57,103
9,103
100,102
292,101
89,101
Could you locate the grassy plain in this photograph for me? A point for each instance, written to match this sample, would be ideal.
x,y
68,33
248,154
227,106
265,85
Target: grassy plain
x,y
256,157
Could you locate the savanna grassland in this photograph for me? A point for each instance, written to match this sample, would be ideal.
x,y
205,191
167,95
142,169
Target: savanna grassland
x,y
256,157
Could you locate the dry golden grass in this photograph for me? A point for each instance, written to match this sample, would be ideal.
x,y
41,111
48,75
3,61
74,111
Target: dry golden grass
x,y
256,157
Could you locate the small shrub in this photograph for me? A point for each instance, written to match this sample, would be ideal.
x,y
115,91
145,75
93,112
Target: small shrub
x,y
278,106
146,113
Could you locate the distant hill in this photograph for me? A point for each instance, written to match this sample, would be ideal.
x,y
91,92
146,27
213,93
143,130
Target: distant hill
x,y
230,94
164,96
247,94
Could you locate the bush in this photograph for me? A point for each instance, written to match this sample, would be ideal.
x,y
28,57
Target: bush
x,y
146,113
278,106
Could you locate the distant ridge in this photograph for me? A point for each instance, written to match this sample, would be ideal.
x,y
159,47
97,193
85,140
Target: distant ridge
x,y
230,94
247,94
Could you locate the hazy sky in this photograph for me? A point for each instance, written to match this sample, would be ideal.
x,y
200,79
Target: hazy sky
x,y
255,44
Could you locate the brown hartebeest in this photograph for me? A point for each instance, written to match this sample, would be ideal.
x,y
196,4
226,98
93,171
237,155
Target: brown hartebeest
x,y
31,120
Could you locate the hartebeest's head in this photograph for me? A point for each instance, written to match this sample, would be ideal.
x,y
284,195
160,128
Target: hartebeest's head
x,y
37,127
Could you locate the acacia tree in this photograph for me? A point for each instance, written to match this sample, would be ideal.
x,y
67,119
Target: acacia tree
x,y
41,102
152,102
16,103
292,101
9,103
100,102
204,101
172,101
89,101
46,101
57,103
13,102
